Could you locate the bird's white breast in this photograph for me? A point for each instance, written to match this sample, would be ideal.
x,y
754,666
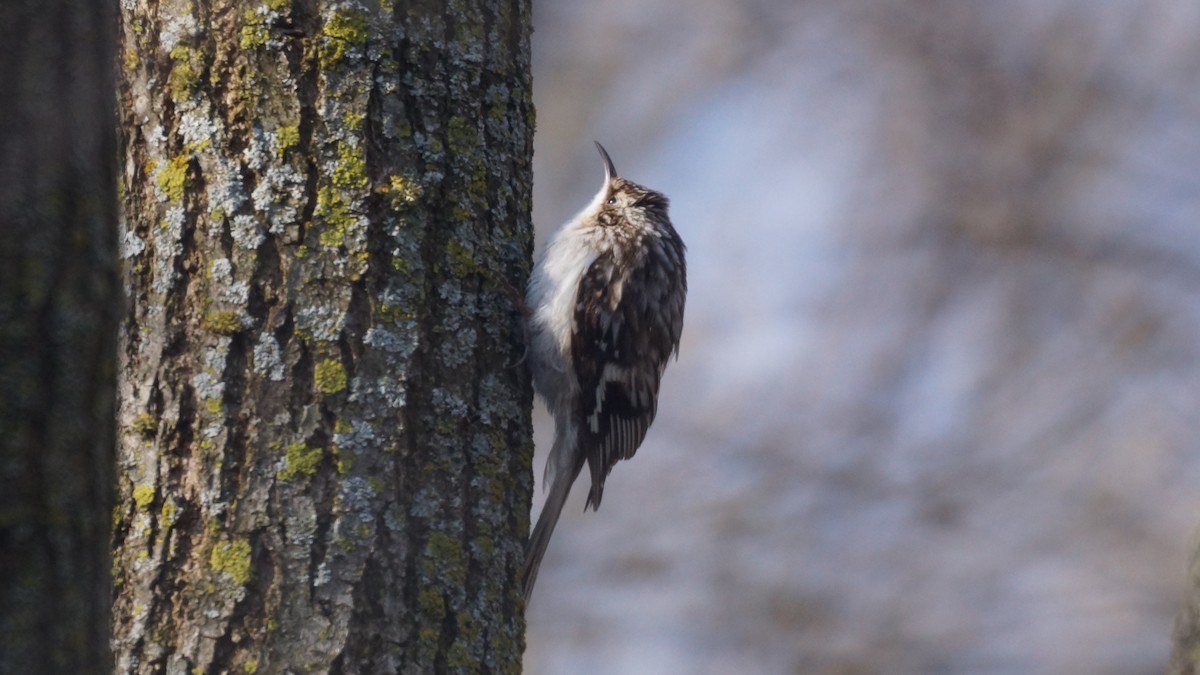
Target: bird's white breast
x,y
553,290
552,294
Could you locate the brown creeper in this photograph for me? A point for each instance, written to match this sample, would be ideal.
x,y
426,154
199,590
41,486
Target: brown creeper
x,y
607,298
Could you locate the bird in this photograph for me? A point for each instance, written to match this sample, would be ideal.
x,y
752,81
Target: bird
x,y
606,303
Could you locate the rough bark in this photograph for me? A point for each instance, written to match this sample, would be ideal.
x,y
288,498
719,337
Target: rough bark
x,y
1185,652
324,452
59,309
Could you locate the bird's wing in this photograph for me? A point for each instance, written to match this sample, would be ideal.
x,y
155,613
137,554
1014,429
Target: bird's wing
x,y
619,350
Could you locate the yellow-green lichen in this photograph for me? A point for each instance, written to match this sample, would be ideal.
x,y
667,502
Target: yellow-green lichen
x,y
167,513
233,559
497,489
431,605
397,314
350,172
250,667
198,146
343,30
144,425
401,193
172,179
459,659
462,259
254,29
485,546
330,376
225,322
467,626
332,208
301,461
462,136
356,271
332,237
497,440
278,5
187,65
353,120
286,138
143,496
477,186
345,461
401,265
446,557
213,405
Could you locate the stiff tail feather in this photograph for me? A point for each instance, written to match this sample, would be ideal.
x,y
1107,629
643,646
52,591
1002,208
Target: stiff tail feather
x,y
540,539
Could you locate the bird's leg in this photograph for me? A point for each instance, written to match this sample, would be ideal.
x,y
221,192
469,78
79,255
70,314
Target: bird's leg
x,y
518,299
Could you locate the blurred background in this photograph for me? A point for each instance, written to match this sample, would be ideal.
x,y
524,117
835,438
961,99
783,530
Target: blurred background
x,y
938,401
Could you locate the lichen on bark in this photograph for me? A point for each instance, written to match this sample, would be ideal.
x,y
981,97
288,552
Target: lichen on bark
x,y
321,214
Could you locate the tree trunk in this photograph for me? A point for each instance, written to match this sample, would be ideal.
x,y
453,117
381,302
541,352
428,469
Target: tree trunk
x,y
324,452
59,309
1185,654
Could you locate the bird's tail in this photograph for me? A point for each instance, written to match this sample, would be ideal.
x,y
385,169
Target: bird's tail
x,y
540,539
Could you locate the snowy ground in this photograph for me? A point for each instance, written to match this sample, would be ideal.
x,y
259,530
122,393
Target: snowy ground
x,y
937,404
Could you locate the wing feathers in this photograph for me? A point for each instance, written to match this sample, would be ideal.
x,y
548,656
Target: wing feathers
x,y
622,342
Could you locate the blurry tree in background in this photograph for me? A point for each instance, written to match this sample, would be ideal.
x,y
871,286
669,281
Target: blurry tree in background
x,y
1185,656
323,462
59,308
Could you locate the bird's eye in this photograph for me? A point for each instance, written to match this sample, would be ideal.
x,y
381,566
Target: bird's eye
x,y
612,200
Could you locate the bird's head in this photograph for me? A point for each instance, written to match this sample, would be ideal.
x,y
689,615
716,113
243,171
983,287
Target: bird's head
x,y
620,199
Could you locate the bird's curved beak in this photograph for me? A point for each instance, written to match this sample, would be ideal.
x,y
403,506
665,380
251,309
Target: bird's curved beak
x,y
610,171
